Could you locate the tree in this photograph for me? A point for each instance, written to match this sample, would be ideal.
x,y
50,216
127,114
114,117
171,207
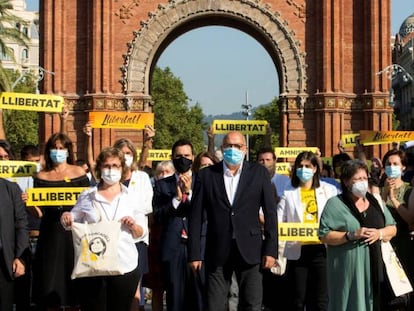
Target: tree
x,y
21,127
9,32
270,113
174,118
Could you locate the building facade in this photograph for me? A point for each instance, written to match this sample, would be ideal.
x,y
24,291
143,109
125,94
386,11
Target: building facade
x,y
26,58
326,53
402,76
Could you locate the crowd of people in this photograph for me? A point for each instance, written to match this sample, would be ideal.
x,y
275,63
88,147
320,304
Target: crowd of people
x,y
201,230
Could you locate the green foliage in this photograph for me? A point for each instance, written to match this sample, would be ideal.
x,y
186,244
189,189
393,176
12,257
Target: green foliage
x,y
174,118
21,127
395,122
270,113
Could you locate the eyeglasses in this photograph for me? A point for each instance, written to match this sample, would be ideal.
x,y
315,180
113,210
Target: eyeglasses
x,y
237,146
111,166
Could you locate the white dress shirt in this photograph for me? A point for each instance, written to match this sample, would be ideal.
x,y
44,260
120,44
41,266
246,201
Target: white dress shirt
x,y
231,182
93,207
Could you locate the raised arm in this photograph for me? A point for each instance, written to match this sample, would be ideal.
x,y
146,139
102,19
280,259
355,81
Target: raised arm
x,y
267,143
149,134
63,119
2,132
210,144
87,129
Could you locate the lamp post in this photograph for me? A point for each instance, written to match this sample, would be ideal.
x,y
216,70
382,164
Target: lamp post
x,y
41,76
247,112
392,72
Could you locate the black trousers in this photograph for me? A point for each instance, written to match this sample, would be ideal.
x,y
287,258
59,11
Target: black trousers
x,y
308,280
184,289
6,287
107,293
249,279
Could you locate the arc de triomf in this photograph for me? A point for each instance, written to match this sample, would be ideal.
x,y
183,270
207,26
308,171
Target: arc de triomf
x,y
327,54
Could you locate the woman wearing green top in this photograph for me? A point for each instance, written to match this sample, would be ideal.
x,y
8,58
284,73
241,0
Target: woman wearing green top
x,y
395,193
352,225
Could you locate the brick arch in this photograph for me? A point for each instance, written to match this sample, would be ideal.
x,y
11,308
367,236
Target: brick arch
x,y
325,52
175,18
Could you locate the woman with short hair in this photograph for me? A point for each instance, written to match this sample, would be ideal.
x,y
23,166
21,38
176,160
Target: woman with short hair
x,y
111,200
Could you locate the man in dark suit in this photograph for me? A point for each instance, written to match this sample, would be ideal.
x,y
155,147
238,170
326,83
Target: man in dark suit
x,y
231,194
172,197
14,240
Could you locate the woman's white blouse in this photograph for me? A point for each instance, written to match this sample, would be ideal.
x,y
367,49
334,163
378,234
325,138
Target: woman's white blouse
x,y
141,184
93,207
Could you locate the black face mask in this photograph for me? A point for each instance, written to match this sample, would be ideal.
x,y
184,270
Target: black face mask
x,y
182,164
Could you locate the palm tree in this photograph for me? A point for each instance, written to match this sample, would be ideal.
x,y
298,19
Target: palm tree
x,y
9,32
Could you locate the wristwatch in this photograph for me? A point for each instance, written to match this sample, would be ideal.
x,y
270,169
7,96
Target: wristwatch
x,y
350,236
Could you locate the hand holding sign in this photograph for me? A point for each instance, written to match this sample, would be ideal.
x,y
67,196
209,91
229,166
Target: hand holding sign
x,y
65,113
87,129
149,132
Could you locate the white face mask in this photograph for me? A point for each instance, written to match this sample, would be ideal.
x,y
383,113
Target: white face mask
x,y
360,188
111,176
128,160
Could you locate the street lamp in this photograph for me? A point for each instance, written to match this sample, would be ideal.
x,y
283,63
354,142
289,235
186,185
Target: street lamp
x,y
41,76
392,72
247,112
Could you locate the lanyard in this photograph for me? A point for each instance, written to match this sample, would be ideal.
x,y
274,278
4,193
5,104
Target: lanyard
x,y
116,209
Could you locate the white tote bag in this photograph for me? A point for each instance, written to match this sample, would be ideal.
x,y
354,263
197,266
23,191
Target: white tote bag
x,y
96,249
395,272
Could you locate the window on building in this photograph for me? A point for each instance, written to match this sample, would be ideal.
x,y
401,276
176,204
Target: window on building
x,y
25,55
25,31
4,55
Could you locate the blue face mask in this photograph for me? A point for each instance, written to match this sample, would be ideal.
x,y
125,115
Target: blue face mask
x,y
393,171
58,155
304,174
233,156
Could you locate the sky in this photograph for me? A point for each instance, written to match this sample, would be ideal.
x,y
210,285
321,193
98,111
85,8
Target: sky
x,y
223,68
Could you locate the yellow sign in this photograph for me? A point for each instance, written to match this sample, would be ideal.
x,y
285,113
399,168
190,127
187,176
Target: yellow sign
x,y
283,168
254,127
17,169
157,154
385,137
349,140
53,196
292,152
299,232
33,102
122,120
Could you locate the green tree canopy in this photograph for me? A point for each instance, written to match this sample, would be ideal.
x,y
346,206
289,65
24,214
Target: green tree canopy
x,y
270,113
21,127
174,118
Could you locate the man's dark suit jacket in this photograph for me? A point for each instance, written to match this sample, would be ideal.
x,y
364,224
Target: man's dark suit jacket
x,y
171,219
13,224
239,221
